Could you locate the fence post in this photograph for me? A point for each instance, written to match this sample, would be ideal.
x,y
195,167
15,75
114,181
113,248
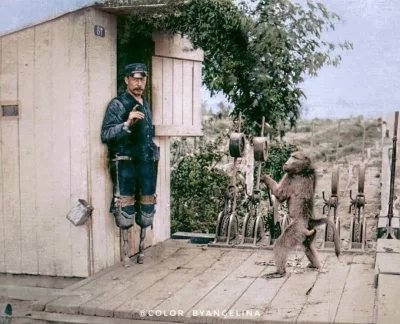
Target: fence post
x,y
337,142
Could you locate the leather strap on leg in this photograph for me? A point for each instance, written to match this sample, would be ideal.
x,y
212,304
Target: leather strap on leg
x,y
122,219
148,200
123,201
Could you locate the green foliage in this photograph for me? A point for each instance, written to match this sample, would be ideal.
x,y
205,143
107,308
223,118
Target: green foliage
x,y
197,186
199,183
279,153
256,56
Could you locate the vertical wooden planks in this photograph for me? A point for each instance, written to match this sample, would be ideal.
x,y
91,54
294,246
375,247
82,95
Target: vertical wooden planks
x,y
10,154
98,60
134,233
176,101
78,146
157,223
167,199
2,235
187,92
45,188
61,172
167,81
110,67
157,90
162,193
95,56
177,95
112,30
158,97
26,94
196,106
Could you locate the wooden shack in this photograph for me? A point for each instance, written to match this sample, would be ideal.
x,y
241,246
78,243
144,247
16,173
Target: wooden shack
x,y
56,79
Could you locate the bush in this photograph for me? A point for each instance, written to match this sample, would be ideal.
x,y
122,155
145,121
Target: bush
x,y
197,187
279,153
198,184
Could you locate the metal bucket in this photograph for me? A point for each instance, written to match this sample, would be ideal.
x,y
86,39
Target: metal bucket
x,y
80,213
5,313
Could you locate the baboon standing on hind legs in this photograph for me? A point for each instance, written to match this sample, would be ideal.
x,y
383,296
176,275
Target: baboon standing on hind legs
x,y
297,187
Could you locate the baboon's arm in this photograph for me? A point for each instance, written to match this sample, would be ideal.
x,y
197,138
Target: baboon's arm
x,y
279,190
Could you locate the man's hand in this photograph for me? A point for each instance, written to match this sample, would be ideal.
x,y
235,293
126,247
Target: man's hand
x,y
134,116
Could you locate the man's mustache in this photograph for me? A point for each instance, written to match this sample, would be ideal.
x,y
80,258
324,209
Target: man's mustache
x,y
138,89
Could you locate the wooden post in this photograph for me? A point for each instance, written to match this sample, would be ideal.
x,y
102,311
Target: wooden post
x,y
363,143
312,134
337,142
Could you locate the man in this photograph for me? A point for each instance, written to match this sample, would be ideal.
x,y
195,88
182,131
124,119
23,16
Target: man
x,y
128,132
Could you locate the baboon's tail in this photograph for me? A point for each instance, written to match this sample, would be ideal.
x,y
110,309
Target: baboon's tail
x,y
328,222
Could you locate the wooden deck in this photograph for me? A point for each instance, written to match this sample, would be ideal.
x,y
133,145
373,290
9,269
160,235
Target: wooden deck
x,y
183,282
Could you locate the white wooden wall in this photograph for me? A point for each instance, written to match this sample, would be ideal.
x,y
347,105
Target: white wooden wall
x,y
63,77
176,87
176,104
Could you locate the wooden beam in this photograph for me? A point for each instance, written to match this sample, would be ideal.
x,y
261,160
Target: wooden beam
x,y
173,130
175,46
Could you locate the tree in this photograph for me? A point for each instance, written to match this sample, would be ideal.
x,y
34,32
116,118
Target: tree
x,y
223,109
256,55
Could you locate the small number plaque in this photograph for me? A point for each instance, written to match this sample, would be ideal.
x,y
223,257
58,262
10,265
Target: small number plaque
x,y
99,31
9,110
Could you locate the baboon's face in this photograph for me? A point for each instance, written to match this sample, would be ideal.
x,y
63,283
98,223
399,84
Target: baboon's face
x,y
297,163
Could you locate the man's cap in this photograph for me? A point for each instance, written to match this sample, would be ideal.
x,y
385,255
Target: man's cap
x,y
137,70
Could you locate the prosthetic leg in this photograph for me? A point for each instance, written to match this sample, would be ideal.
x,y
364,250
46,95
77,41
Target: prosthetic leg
x,y
145,218
138,185
123,220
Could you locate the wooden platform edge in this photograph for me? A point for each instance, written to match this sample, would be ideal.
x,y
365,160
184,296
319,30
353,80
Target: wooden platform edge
x,y
41,303
45,317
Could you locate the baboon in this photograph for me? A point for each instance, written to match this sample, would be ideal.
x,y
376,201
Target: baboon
x,y
297,187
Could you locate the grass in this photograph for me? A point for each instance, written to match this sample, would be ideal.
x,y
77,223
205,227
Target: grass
x,y
323,133
325,137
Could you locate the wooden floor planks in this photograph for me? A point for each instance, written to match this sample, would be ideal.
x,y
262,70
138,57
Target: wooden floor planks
x,y
388,293
358,298
142,281
147,300
192,293
323,301
85,293
181,282
252,303
213,305
287,304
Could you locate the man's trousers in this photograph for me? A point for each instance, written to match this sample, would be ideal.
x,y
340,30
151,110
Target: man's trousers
x,y
134,186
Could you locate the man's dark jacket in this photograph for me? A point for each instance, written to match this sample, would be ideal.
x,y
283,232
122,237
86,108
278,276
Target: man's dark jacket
x,y
138,143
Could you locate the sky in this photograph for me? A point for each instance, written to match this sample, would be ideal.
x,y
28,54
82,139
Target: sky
x,y
16,13
368,78
365,83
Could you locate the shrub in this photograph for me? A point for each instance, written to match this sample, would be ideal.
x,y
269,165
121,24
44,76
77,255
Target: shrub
x,y
199,184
